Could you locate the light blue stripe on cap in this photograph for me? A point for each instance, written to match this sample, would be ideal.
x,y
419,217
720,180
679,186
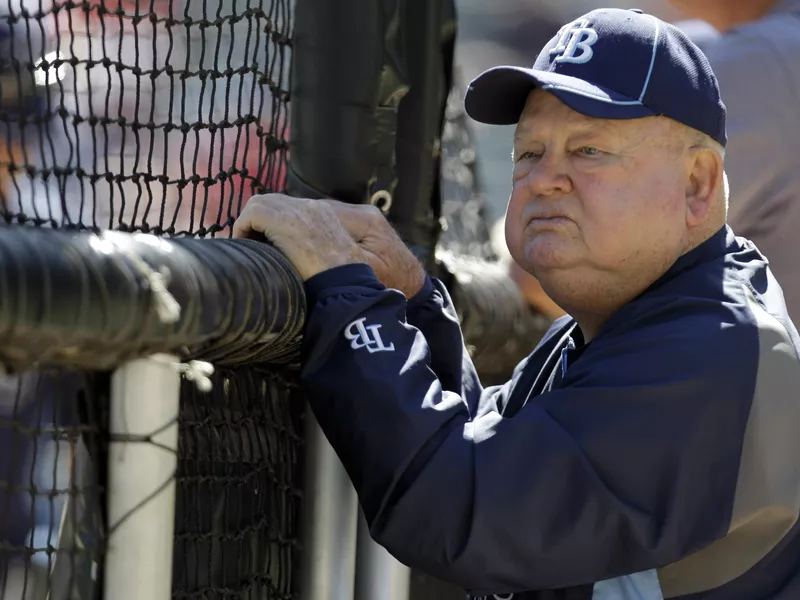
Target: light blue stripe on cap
x,y
639,586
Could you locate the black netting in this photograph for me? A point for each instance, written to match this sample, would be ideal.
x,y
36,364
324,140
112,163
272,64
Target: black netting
x,y
159,116
51,423
237,501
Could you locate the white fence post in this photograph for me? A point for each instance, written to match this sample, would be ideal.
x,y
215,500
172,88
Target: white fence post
x,y
141,479
330,522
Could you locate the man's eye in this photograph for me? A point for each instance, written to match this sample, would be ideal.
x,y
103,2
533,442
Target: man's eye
x,y
527,155
589,151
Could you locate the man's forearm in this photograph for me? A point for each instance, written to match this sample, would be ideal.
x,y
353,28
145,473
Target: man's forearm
x,y
357,342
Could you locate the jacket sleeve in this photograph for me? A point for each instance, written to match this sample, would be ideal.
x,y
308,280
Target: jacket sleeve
x,y
594,480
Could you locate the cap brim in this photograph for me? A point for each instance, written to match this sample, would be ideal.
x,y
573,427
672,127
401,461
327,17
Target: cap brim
x,y
498,96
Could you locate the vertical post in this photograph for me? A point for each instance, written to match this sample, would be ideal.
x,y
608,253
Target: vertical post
x,y
379,576
141,479
330,522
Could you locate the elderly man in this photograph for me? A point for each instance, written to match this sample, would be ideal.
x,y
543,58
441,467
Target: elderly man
x,y
648,446
755,58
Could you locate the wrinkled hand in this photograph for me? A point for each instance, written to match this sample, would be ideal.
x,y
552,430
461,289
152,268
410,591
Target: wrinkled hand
x,y
306,231
394,264
317,235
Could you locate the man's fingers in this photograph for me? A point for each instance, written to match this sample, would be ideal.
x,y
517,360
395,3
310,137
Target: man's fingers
x,y
261,213
243,227
252,221
306,231
265,211
320,234
358,219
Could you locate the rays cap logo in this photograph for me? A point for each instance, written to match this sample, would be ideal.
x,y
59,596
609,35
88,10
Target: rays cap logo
x,y
610,64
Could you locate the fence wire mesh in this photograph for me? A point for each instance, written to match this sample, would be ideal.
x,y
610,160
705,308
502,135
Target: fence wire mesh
x,y
160,116
163,117
51,423
237,500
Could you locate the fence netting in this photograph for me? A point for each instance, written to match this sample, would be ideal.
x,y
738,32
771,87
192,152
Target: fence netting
x,y
237,496
161,117
51,423
164,117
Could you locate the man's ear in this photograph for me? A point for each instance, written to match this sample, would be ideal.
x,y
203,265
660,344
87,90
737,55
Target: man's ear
x,y
704,185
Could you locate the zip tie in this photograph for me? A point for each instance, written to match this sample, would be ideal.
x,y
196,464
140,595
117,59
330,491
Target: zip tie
x,y
199,372
167,307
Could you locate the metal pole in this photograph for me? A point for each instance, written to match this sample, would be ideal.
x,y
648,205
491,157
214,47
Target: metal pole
x,y
330,522
141,479
379,576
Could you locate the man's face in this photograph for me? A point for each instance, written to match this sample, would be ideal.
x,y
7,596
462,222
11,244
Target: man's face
x,y
594,199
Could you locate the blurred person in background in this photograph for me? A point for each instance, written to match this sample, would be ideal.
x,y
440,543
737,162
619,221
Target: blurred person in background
x,y
755,58
28,466
22,100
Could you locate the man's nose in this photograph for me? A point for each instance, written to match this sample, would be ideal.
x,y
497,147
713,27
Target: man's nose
x,y
549,176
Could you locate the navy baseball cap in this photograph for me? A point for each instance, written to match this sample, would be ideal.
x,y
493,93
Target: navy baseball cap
x,y
610,64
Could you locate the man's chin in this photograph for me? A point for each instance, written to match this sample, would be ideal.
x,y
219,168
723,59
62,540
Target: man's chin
x,y
542,255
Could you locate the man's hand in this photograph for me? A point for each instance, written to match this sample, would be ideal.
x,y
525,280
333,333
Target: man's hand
x,y
383,250
317,235
306,231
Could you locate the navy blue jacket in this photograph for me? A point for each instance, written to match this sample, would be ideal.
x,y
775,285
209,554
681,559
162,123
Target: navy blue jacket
x,y
660,460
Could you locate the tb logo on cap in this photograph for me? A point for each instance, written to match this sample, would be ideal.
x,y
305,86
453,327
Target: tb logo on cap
x,y
575,43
